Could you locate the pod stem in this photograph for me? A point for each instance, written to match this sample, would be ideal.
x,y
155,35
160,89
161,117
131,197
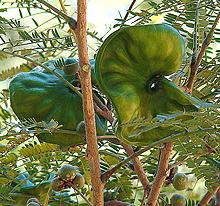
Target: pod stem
x,y
208,196
198,59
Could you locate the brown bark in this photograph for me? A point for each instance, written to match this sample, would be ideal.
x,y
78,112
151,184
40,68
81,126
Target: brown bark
x,y
138,169
197,60
89,115
217,198
107,174
161,174
208,196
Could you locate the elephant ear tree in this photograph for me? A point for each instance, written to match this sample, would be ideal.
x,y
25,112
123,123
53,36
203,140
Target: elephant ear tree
x,y
131,70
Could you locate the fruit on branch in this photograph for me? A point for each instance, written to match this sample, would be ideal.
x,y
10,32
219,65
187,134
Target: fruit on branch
x,y
78,181
177,200
42,96
3,148
180,181
71,66
57,184
67,172
130,69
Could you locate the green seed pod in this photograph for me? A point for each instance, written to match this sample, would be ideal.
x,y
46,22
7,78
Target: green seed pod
x,y
180,181
67,172
178,200
71,66
57,184
79,181
51,98
3,148
131,68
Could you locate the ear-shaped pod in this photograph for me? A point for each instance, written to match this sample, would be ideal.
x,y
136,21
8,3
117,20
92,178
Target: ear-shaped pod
x,y
130,69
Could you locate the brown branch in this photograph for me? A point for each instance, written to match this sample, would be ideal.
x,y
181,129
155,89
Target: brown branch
x,y
138,169
105,176
208,196
161,175
129,9
195,65
101,109
217,203
89,114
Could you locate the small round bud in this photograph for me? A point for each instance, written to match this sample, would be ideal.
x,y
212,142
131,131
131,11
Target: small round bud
x,y
57,184
67,172
180,181
178,200
79,181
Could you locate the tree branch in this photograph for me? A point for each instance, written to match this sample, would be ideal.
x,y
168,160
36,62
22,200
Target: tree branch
x,y
138,169
102,110
208,196
217,203
195,66
89,114
105,176
129,9
161,174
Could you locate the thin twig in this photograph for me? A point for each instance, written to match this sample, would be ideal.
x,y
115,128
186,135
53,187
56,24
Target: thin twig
x,y
129,9
195,37
71,25
217,203
106,113
195,34
205,44
89,114
208,196
47,69
161,174
78,191
138,169
71,21
101,109
63,6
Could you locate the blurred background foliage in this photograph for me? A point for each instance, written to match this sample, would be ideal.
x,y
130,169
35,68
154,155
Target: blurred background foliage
x,y
32,30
